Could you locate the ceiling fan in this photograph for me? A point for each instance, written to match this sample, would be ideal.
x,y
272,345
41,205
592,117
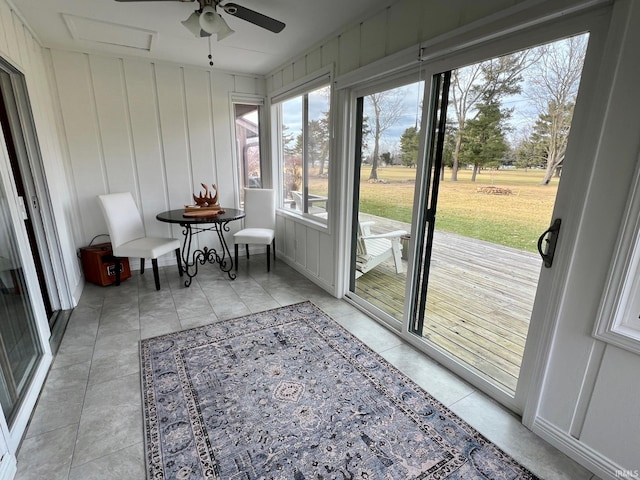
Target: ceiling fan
x,y
206,21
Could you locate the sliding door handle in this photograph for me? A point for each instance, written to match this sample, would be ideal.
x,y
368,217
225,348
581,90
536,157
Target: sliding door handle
x,y
550,236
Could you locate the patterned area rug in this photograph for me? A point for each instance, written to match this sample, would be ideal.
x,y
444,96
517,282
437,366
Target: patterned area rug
x,y
290,394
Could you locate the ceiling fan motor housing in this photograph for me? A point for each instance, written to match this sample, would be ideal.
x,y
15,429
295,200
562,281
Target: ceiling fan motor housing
x,y
207,3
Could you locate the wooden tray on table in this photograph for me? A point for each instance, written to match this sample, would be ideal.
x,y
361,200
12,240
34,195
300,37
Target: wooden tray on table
x,y
199,212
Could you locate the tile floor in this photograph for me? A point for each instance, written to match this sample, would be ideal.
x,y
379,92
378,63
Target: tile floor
x,y
88,422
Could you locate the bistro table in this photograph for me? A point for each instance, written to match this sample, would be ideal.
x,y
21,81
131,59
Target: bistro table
x,y
192,226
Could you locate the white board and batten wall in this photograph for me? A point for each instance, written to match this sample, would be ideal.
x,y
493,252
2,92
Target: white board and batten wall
x,y
156,130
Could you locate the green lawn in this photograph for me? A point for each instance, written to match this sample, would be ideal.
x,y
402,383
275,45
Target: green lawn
x,y
515,220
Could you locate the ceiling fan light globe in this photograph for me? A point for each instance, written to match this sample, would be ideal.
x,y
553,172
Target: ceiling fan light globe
x,y
209,20
225,30
193,24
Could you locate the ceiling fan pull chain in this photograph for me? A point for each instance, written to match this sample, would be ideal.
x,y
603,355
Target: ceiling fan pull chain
x,y
210,56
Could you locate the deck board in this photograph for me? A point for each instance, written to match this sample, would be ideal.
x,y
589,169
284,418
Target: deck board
x,y
478,304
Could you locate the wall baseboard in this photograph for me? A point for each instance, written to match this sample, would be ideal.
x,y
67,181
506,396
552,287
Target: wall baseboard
x,y
301,270
589,458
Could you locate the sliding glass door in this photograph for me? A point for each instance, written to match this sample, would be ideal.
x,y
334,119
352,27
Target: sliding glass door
x,y
19,344
501,129
19,138
29,289
453,249
386,160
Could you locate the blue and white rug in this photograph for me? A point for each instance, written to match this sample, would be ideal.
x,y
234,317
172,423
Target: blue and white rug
x,y
290,394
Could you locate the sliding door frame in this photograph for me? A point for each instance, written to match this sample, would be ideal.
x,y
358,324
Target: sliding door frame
x,y
400,78
13,434
38,203
438,58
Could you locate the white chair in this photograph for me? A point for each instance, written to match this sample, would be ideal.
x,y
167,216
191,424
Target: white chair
x,y
127,234
259,222
373,249
311,199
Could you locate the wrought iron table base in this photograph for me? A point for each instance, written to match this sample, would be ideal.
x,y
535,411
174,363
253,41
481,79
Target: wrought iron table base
x,y
192,259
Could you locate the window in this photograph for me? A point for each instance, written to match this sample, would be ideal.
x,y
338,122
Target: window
x,y
303,147
247,118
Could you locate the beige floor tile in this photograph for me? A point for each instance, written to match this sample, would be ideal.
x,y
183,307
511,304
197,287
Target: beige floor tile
x,y
96,372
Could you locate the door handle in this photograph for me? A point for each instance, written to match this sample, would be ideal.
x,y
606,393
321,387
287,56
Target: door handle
x,y
551,239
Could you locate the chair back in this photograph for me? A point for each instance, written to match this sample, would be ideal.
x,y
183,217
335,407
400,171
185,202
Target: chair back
x,y
361,244
298,200
122,216
259,208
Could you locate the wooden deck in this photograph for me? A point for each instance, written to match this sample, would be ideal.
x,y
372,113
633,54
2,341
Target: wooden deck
x,y
478,304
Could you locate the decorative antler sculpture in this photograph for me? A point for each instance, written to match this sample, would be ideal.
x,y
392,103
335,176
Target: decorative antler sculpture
x,y
207,200
206,203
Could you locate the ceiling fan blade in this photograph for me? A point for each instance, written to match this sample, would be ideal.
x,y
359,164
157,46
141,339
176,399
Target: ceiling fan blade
x,y
154,0
254,17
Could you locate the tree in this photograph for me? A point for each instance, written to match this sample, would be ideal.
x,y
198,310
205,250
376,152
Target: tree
x,y
484,140
409,147
386,158
553,87
366,133
484,82
550,137
292,145
319,142
450,135
318,130
525,152
293,173
387,109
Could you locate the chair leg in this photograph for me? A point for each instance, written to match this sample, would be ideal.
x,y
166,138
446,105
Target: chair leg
x,y
156,275
397,254
179,261
274,249
235,255
268,258
246,249
142,266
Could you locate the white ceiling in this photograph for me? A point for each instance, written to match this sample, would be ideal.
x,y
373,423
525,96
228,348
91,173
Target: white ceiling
x,y
152,29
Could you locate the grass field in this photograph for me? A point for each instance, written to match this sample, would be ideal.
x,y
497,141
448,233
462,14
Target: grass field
x,y
515,220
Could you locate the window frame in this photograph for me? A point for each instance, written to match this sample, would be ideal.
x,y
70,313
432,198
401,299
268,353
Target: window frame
x,y
618,322
260,103
301,88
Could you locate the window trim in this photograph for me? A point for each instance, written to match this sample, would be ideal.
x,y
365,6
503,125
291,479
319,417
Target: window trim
x,y
259,101
308,83
305,85
617,322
